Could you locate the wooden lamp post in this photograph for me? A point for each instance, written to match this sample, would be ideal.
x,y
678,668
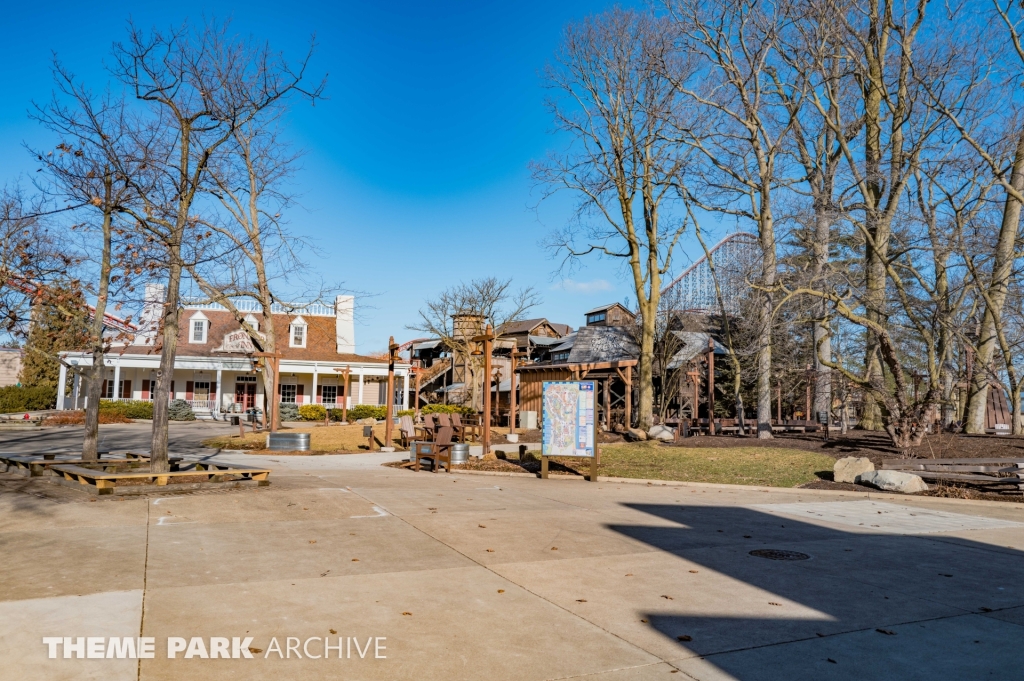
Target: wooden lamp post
x,y
485,344
388,414
512,391
711,386
344,398
272,361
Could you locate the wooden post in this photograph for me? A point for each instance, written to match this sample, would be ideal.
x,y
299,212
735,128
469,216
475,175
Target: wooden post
x,y
512,393
778,402
416,394
487,339
390,400
711,386
497,396
608,404
344,402
543,467
629,397
807,396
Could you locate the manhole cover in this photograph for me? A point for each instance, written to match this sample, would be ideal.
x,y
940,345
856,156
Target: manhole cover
x,y
777,554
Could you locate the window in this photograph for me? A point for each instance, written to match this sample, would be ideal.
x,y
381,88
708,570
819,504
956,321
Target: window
x,y
329,394
198,331
298,336
108,390
596,317
560,356
288,393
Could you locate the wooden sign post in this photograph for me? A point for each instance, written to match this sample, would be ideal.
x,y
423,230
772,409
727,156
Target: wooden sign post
x,y
569,423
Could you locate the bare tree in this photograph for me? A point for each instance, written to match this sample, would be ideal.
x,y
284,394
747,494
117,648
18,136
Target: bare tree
x,y
253,252
617,105
84,172
199,85
461,311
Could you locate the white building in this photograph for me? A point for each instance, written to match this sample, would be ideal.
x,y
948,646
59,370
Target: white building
x,y
214,369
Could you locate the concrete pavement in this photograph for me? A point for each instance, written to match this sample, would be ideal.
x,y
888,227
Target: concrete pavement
x,y
479,577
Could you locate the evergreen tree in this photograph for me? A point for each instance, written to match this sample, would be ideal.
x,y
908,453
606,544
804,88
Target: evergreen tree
x,y
59,322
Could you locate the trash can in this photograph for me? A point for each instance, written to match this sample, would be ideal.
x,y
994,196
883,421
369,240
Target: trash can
x,y
460,453
235,420
528,420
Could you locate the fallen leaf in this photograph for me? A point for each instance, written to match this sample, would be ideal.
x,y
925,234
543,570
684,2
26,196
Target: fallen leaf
x,y
501,591
554,548
407,613
483,526
668,598
255,651
693,571
629,574
581,600
305,509
355,560
887,632
490,550
774,603
684,637
332,631
985,609
831,660
644,621
312,541
746,536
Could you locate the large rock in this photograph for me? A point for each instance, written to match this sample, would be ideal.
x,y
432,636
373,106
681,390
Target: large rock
x,y
368,421
893,481
635,434
660,432
848,468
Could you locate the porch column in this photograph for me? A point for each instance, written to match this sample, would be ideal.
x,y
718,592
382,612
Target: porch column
x,y
77,385
60,386
218,391
405,390
360,387
312,395
117,379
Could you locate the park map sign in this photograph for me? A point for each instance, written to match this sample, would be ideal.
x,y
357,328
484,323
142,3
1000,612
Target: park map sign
x,y
569,423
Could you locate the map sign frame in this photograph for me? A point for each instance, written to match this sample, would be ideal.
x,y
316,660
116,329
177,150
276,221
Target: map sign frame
x,y
569,422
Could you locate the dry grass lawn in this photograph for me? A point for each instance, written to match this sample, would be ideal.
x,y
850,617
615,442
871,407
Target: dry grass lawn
x,y
334,439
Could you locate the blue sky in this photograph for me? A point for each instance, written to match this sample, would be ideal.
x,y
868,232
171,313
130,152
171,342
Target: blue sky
x,y
415,176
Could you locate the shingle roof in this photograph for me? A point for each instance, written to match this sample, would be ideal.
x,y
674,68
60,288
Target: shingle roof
x,y
603,344
321,339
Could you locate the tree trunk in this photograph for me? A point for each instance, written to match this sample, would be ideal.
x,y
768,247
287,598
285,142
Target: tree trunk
x,y
645,411
822,338
1002,267
90,444
766,235
165,373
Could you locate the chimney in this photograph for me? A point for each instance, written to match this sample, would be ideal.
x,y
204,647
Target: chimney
x,y
344,324
152,312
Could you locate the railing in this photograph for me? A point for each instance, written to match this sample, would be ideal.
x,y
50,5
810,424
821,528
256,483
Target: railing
x,y
249,305
202,405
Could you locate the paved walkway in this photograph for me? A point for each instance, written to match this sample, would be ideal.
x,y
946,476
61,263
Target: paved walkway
x,y
493,578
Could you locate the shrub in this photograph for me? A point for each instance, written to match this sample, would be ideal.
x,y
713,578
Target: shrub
x,y
366,411
336,414
129,410
289,411
15,398
180,410
405,412
447,409
313,412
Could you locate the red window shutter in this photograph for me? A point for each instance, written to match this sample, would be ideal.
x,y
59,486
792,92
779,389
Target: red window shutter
x,y
189,390
126,390
103,390
298,393
319,394
172,390
213,390
145,388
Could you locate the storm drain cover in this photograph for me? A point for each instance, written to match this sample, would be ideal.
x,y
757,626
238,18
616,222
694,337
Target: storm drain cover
x,y
778,554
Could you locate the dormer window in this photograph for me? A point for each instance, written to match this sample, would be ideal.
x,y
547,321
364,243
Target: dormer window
x,y
596,317
199,327
253,322
297,333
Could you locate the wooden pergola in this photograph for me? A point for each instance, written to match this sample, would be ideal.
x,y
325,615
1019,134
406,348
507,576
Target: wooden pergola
x,y
607,375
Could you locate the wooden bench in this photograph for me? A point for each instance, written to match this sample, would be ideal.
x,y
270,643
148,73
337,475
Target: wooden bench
x,y
104,482
33,467
1000,472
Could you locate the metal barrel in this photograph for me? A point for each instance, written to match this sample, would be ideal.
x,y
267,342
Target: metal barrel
x,y
288,442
